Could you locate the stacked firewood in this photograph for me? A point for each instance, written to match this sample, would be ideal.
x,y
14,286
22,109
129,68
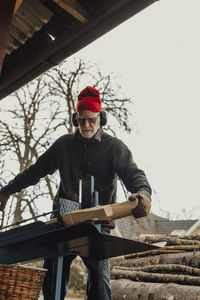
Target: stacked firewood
x,y
171,271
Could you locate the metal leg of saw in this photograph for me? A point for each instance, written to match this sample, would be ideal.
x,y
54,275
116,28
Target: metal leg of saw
x,y
57,276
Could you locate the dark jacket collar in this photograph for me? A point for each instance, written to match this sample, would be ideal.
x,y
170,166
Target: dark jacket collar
x,y
96,138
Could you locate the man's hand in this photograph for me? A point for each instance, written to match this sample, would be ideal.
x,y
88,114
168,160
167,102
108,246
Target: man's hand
x,y
144,205
3,201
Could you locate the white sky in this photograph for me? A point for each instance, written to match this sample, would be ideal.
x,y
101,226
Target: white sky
x,y
157,54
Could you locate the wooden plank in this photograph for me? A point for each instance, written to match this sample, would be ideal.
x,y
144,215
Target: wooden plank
x,y
29,18
100,213
123,209
95,213
24,27
6,12
75,9
38,10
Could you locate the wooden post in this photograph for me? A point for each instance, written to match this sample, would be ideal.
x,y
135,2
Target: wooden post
x,y
104,213
6,13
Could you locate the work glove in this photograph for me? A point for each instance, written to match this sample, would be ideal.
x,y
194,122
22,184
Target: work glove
x,y
3,201
144,205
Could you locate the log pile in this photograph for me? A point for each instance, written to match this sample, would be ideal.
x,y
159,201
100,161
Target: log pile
x,y
171,272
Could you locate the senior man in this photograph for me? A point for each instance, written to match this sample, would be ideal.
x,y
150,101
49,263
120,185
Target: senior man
x,y
87,152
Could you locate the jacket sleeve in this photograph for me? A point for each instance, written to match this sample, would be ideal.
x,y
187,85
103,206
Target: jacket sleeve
x,y
45,164
133,178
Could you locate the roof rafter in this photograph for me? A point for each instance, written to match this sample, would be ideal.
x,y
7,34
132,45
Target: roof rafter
x,y
6,12
74,8
17,5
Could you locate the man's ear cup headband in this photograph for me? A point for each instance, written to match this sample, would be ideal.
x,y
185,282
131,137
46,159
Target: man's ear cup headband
x,y
103,119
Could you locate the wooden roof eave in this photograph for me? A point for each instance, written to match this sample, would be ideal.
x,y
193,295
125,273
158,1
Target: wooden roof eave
x,y
6,12
67,44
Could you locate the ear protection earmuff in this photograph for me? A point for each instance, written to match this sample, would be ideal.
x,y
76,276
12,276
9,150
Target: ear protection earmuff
x,y
103,119
74,119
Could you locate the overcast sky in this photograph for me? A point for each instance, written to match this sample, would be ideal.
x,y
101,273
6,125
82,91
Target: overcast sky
x,y
157,54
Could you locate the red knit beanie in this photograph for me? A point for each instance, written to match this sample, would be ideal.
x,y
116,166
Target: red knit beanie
x,y
89,99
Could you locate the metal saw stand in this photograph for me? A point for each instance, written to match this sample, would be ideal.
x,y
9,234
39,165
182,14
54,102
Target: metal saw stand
x,y
58,262
53,241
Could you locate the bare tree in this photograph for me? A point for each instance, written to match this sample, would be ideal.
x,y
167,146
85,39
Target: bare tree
x,y
40,112
26,131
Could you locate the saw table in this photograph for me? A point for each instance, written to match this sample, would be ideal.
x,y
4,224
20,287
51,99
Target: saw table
x,y
76,232
51,240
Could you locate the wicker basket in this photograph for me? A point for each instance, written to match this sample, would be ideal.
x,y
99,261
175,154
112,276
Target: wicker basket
x,y
20,282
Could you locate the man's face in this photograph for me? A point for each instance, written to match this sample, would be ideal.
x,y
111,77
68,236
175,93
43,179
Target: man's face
x,y
88,123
